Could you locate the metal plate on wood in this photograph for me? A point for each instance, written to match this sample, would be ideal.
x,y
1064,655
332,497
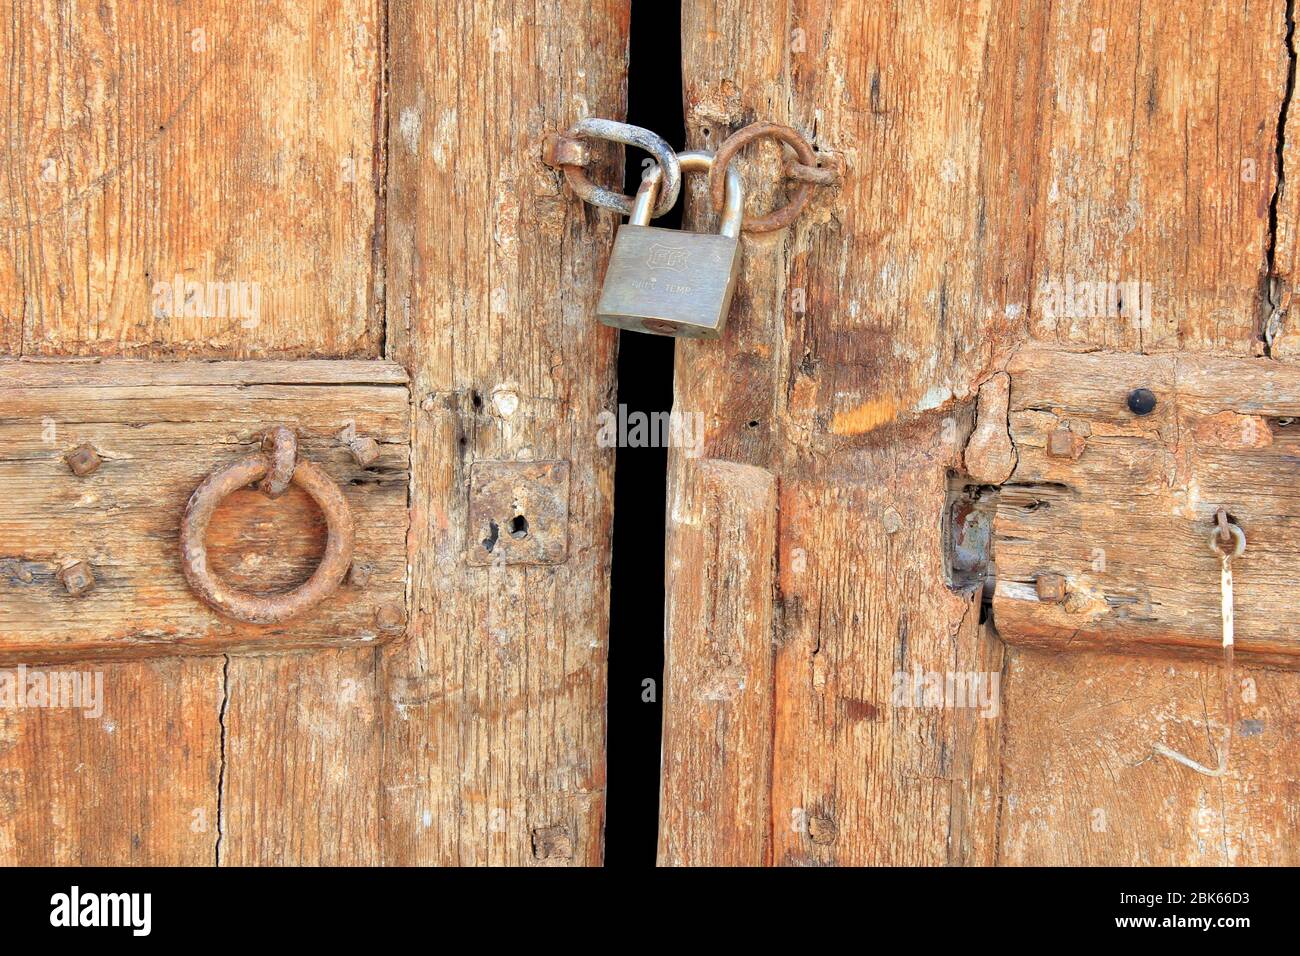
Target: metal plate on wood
x,y
1121,504
90,566
518,512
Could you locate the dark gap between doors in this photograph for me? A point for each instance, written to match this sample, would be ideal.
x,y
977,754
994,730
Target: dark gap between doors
x,y
645,384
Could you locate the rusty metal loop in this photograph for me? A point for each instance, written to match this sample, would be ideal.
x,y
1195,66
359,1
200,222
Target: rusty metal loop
x,y
281,447
1238,542
249,606
651,142
783,216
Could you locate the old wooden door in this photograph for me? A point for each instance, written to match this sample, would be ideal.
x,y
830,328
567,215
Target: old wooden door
x,y
921,468
1043,208
219,217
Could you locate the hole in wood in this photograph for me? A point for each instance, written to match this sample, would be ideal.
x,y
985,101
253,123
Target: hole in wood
x,y
494,534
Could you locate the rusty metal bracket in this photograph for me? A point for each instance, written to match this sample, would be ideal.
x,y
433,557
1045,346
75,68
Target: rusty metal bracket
x,y
518,512
806,172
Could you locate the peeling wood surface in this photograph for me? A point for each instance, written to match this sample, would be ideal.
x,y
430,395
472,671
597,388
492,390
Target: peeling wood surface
x,y
1127,518
1082,786
494,716
214,141
157,444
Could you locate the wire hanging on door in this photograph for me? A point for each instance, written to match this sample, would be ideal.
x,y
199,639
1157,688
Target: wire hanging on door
x,y
1228,541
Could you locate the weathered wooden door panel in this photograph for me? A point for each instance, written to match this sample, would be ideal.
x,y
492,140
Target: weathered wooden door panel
x,y
212,181
347,180
181,195
221,181
1077,175
494,716
139,785
157,442
151,143
1083,786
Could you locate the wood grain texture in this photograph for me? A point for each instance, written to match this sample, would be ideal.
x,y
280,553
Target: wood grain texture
x,y
853,335
1150,173
987,151
1128,516
718,697
861,775
216,141
157,444
495,710
1083,787
302,784
135,785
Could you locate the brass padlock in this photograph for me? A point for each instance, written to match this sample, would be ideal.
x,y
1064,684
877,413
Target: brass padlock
x,y
670,282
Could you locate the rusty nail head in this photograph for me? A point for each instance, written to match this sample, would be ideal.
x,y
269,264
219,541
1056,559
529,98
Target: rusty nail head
x,y
1060,443
77,578
561,150
389,617
364,450
360,572
1051,588
83,460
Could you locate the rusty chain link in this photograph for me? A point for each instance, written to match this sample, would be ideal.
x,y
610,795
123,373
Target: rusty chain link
x,y
569,152
806,172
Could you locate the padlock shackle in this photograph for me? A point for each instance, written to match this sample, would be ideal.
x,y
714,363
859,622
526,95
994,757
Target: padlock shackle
x,y
643,205
733,208
692,161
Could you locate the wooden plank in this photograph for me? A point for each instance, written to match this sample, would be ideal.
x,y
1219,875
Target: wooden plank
x,y
495,714
854,335
149,149
863,771
127,177
718,699
1150,175
157,444
34,372
129,781
1125,508
1083,786
301,786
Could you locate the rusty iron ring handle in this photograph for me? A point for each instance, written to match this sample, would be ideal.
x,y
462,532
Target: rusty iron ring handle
x,y
779,218
651,142
246,605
